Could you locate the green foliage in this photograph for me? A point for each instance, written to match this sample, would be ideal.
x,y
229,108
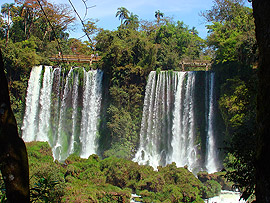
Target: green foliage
x,y
238,108
176,42
232,32
232,37
212,188
109,180
2,191
43,189
46,178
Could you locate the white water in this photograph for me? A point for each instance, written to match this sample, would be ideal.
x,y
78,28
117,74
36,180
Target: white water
x,y
31,109
226,197
45,105
62,139
90,113
156,122
74,112
147,153
189,150
178,140
168,127
211,162
183,149
58,106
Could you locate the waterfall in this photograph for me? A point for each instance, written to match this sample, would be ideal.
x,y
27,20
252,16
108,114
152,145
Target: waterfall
x,y
183,149
31,109
170,126
63,109
60,150
189,150
91,109
211,162
146,153
45,105
74,112
156,120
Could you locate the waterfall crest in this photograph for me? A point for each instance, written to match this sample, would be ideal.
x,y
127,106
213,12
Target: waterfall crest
x,y
63,109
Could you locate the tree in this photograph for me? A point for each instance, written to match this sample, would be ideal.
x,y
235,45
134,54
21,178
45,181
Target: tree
x,y
7,10
132,21
223,10
238,109
45,20
122,13
232,32
13,155
77,47
262,22
158,15
194,31
176,42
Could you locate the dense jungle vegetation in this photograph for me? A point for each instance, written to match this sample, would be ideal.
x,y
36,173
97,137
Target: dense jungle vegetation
x,y
129,53
113,180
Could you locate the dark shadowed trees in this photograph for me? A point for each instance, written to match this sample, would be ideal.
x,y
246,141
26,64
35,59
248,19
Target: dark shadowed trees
x,y
262,21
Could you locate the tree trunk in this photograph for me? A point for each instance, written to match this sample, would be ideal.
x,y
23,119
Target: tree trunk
x,y
13,155
261,14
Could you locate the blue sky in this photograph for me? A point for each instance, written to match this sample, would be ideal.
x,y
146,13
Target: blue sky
x,y
105,10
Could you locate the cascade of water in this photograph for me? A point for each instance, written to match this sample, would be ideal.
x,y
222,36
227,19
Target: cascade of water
x,y
155,135
53,111
90,113
211,162
45,105
60,150
178,140
157,122
191,151
74,111
168,127
168,109
55,103
146,154
183,148
31,109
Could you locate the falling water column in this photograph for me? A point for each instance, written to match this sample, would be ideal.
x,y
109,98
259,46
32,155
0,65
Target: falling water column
x,y
90,113
211,156
29,127
45,105
178,140
146,153
60,150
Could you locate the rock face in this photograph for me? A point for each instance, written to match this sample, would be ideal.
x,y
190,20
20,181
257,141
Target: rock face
x,y
13,155
218,177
